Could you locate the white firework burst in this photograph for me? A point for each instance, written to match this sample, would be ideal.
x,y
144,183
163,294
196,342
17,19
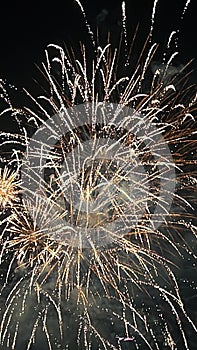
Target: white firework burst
x,y
101,225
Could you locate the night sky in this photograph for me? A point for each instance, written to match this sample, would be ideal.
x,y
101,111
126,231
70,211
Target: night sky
x,y
27,27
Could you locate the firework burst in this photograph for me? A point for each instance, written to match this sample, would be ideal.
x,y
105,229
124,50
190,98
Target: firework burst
x,y
9,188
106,181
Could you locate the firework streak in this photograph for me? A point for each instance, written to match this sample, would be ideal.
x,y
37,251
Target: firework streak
x,y
97,203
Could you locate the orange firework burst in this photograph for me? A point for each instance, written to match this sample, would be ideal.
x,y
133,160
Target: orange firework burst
x,y
9,188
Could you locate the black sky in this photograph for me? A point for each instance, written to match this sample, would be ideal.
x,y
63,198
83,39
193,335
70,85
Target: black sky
x,y
27,27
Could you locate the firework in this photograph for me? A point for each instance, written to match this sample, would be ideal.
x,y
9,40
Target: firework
x,y
107,203
9,188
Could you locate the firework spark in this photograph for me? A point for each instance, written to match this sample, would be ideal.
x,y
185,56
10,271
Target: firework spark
x,y
9,188
107,186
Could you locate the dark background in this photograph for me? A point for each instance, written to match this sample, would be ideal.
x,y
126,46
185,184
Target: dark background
x,y
27,27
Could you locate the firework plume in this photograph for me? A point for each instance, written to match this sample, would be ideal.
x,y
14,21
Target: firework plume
x,y
100,216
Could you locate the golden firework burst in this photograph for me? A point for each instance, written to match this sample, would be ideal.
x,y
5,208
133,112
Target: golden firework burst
x,y
9,188
107,199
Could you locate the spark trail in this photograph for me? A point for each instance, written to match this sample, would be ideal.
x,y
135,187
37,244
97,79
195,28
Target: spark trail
x,y
100,216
